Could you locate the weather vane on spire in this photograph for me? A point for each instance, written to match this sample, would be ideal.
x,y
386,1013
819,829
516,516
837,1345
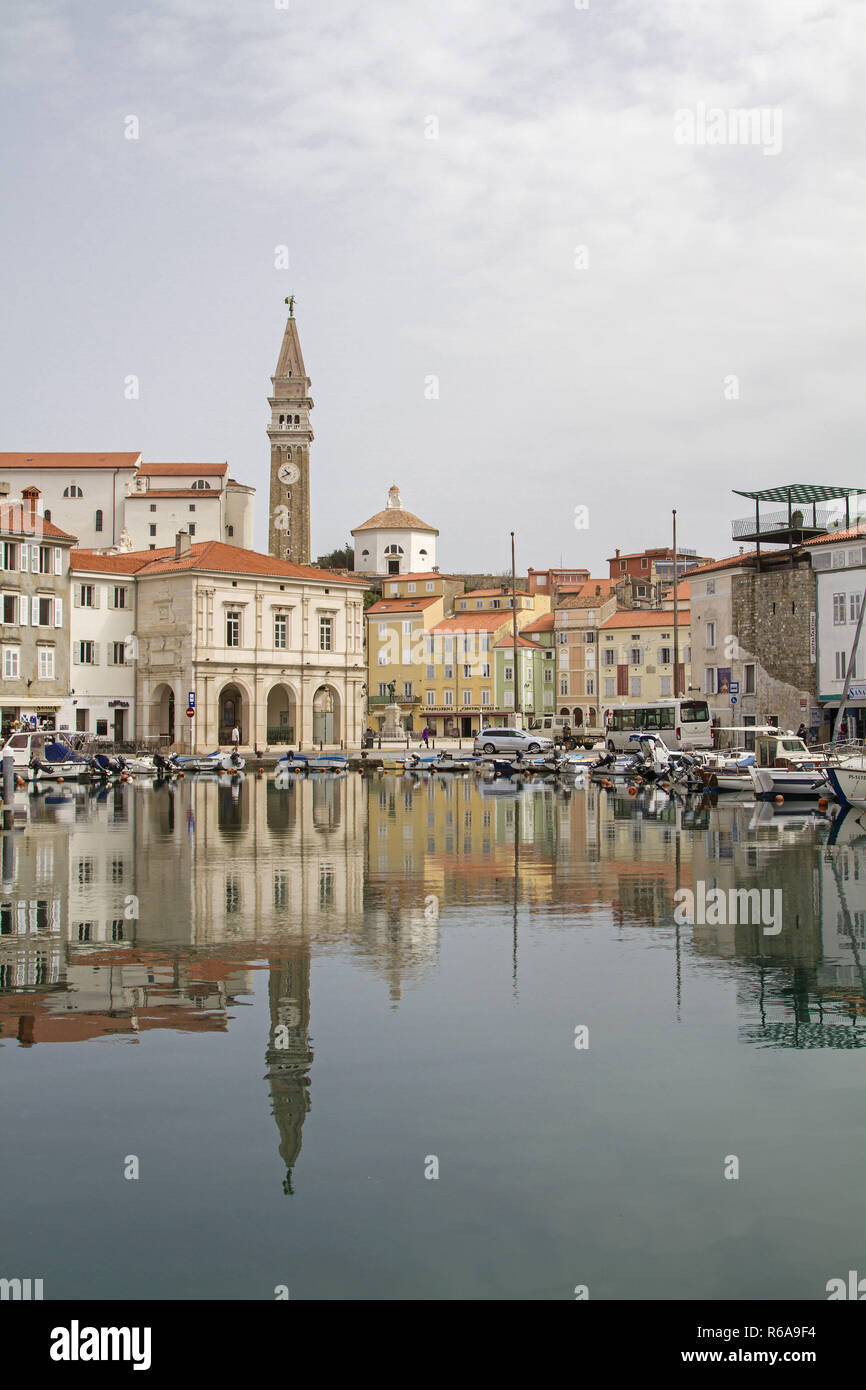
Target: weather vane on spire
x,y
290,300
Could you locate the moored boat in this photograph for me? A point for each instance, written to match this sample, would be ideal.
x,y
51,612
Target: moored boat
x,y
848,780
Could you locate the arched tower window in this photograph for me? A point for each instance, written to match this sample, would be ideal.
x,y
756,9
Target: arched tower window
x,y
98,523
201,485
73,491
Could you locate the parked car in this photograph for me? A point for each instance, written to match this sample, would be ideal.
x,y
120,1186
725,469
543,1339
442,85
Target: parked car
x,y
511,741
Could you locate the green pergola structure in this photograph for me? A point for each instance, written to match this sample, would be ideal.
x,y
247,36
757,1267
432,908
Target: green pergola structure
x,y
795,524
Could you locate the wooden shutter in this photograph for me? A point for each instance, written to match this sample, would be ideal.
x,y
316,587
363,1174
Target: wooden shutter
x,y
58,560
622,680
58,612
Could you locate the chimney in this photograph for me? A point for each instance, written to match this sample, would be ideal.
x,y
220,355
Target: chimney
x,y
181,545
617,553
32,507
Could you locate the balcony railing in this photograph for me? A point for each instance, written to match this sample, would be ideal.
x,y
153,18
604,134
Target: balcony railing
x,y
801,519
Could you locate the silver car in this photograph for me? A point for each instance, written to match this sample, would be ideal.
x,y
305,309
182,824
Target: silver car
x,y
511,741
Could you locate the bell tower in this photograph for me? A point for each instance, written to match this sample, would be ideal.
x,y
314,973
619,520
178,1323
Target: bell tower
x,y
291,435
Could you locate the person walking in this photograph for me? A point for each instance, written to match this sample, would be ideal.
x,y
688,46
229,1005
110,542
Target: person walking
x,y
236,738
425,736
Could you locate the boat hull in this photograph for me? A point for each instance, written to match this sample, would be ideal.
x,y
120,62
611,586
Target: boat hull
x,y
849,785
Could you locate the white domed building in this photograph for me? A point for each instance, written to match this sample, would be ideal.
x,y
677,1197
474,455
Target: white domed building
x,y
395,541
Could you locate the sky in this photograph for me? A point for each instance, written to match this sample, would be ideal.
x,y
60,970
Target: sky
x,y
547,279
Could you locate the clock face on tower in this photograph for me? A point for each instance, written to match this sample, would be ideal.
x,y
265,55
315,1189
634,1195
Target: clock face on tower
x,y
288,473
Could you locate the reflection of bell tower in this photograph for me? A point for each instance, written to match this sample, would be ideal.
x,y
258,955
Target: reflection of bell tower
x,y
289,1055
291,435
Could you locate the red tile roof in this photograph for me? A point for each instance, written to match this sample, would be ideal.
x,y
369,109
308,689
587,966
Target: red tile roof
x,y
479,621
483,593
508,641
171,470
652,617
394,519
128,562
16,520
545,623
211,557
71,461
730,561
683,590
402,604
851,533
157,492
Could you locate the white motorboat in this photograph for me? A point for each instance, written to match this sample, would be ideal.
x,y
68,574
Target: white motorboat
x,y
217,762
292,762
329,762
784,766
847,777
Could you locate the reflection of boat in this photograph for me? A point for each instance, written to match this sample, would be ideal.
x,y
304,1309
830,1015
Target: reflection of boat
x,y
848,780
501,786
848,827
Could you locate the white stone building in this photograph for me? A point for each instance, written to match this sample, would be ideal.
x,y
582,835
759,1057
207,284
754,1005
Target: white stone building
x,y
114,500
395,541
101,698
271,647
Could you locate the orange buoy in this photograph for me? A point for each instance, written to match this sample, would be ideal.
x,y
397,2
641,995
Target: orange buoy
x,y
60,779
180,774
261,772
778,800
823,803
632,791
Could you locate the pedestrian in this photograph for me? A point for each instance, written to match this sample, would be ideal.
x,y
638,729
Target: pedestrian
x,y
803,732
425,736
236,738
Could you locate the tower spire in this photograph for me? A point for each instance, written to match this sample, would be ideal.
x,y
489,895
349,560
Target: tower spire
x,y
291,435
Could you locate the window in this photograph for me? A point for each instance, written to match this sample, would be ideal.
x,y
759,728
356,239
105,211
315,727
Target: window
x,y
448,672
634,656
609,686
86,596
854,612
326,626
463,603
589,683
838,609
192,529
410,588
429,586
43,560
73,491
589,637
11,663
664,685
467,697
201,485
118,596
634,685
749,679
407,690
711,586
666,656
711,637
10,614
479,603
508,702
710,680
495,603
97,524
47,514
448,697
45,663
644,562
430,672
44,612
548,674
608,657
230,530
281,630
430,697
153,506
102,728
467,672
10,555
842,666
485,697
84,653
509,673
117,653
192,506
151,530
563,685
622,566
233,628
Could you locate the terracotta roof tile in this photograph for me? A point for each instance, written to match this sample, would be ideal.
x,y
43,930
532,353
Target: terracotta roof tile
x,y
403,604
508,641
17,521
851,533
211,557
71,461
394,519
544,623
171,470
646,617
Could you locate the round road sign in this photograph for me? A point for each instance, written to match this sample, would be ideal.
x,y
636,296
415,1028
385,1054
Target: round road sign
x,y
190,714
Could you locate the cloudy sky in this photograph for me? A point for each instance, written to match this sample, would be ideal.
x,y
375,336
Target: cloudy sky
x,y
496,195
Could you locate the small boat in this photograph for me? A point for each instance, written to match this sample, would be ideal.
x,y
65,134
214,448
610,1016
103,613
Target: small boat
x,y
413,762
209,762
784,766
457,762
329,762
293,762
60,763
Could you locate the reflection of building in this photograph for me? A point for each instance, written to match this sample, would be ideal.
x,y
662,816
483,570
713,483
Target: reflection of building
x,y
289,1055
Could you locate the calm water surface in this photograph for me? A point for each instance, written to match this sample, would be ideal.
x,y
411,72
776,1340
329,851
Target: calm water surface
x,y
290,1005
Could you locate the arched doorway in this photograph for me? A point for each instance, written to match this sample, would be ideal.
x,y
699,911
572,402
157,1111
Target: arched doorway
x,y
326,715
162,714
282,712
231,714
577,717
